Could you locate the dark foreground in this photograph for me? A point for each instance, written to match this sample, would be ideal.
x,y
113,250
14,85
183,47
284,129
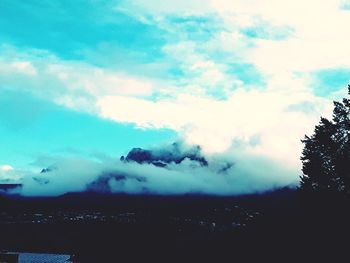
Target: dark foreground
x,y
280,226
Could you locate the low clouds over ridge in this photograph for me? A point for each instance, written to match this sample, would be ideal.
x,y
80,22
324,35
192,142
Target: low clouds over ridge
x,y
184,170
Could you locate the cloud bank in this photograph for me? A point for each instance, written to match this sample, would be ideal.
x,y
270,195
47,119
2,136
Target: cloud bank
x,y
173,170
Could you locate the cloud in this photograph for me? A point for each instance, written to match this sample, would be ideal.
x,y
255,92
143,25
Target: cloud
x,y
273,117
195,83
200,118
72,84
9,174
318,39
6,168
223,175
312,40
304,43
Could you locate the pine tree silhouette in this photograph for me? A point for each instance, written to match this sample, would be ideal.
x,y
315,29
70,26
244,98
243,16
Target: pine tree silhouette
x,y
326,154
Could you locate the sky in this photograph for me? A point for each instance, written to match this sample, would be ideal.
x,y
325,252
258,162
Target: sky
x,y
244,79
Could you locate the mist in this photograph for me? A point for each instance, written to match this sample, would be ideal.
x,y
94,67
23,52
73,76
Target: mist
x,y
176,169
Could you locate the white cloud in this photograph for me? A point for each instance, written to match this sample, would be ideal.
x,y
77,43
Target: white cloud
x,y
72,84
254,120
319,39
76,174
25,67
9,174
215,124
6,168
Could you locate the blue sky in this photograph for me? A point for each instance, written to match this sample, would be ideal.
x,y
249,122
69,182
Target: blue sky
x,y
32,128
93,78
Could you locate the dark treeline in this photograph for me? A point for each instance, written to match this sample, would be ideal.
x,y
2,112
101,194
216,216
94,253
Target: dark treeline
x,y
326,155
281,225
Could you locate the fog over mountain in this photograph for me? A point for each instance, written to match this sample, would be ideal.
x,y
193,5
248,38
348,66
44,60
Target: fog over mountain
x,y
174,169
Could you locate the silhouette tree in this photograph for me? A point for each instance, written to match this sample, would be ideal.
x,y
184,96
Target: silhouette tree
x,y
326,154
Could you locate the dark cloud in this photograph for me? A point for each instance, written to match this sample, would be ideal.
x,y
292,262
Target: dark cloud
x,y
8,188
